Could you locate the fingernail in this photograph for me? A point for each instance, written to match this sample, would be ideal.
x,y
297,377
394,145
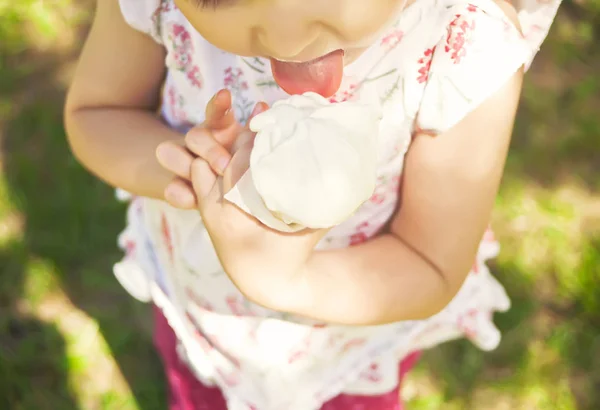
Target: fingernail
x,y
162,153
221,164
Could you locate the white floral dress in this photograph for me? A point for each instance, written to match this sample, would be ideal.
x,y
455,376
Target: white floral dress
x,y
439,60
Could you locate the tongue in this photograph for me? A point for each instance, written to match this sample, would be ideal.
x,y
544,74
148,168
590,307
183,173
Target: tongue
x,y
322,76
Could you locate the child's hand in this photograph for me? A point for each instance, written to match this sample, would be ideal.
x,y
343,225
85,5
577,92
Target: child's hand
x,y
217,134
265,265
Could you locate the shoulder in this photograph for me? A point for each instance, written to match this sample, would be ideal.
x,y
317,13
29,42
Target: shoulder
x,y
481,49
510,12
148,16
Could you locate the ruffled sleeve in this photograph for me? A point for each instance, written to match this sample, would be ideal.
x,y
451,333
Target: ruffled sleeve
x,y
478,52
144,15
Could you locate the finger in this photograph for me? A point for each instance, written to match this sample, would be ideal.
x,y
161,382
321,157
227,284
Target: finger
x,y
240,163
219,114
201,142
180,194
176,158
227,136
258,108
203,181
247,136
245,139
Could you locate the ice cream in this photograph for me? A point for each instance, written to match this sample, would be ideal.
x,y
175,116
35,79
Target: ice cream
x,y
312,165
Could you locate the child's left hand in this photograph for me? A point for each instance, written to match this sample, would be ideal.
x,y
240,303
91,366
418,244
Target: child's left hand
x,y
264,264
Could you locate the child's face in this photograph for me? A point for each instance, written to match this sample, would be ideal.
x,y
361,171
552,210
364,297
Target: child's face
x,y
290,30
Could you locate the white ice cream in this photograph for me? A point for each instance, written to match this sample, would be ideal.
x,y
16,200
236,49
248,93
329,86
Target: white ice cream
x,y
312,165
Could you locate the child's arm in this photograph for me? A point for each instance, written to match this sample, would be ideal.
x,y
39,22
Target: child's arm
x,y
448,192
110,112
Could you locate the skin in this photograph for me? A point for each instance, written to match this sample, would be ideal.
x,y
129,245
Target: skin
x,y
291,30
410,272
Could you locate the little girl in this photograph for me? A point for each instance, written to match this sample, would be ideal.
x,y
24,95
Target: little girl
x,y
248,318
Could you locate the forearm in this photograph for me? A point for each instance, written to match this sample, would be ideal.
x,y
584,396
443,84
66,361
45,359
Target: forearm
x,y
380,281
118,145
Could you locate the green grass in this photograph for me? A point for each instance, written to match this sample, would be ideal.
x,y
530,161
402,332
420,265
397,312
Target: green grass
x,y
70,338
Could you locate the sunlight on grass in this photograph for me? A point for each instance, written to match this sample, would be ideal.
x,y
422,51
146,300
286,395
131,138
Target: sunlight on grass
x,y
543,229
35,23
41,280
93,372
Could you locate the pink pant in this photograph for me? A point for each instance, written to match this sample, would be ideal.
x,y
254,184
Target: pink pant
x,y
188,393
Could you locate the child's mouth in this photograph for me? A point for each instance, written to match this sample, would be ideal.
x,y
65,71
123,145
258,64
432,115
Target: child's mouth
x,y
322,75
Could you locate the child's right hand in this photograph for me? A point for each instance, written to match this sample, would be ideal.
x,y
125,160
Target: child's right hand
x,y
218,134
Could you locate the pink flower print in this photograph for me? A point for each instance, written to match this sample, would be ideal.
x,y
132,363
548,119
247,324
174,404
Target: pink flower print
x,y
182,58
348,94
181,34
166,236
334,339
372,374
230,379
302,351
348,90
138,204
219,346
391,40
197,335
237,306
130,248
489,236
297,355
363,225
358,238
171,96
459,35
231,76
234,81
353,343
194,76
532,31
194,299
163,7
182,46
425,63
175,103
467,323
377,198
234,304
182,53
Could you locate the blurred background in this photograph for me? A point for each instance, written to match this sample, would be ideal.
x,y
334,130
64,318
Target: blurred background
x,y
70,338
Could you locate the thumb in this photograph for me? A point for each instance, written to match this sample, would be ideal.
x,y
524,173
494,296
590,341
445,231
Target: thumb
x,y
219,114
258,108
